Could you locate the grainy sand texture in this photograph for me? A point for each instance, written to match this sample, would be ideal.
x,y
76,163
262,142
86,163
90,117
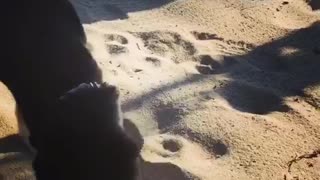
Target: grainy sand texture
x,y
215,89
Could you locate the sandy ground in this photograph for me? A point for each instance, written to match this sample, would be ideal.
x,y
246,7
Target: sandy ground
x,y
219,89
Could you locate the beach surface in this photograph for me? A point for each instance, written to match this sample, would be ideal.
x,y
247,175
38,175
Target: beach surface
x,y
214,89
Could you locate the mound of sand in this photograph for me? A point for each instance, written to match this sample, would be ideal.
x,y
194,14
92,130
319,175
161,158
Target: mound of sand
x,y
219,89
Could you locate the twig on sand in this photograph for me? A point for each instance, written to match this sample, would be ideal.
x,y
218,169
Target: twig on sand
x,y
311,155
138,46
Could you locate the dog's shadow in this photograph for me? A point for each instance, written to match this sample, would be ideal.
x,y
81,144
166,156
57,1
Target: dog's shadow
x,y
16,159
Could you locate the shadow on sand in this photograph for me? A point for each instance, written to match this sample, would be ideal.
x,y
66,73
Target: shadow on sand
x,y
261,80
263,77
98,10
315,4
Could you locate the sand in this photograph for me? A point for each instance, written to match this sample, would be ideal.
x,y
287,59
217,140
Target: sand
x,y
218,89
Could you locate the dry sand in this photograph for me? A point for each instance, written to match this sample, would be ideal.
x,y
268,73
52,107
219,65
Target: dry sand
x,y
219,89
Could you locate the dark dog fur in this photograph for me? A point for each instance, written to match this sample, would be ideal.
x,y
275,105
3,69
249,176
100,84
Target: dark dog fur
x,y
43,56
95,150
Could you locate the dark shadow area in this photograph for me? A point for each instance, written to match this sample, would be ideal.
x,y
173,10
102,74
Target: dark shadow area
x,y
262,77
315,4
98,10
268,73
220,149
168,115
281,68
172,145
278,69
248,98
165,171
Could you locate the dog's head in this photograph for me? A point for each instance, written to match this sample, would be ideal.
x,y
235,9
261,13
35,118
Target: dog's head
x,y
86,140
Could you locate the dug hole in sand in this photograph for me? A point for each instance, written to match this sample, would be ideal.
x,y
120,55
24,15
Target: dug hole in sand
x,y
216,89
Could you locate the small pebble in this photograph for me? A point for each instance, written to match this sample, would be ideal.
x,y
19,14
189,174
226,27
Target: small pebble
x,y
285,2
137,70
